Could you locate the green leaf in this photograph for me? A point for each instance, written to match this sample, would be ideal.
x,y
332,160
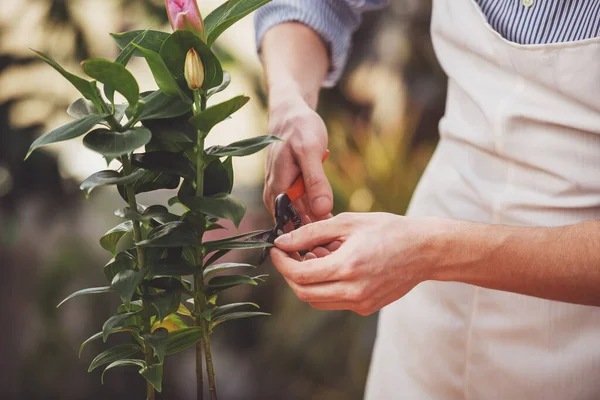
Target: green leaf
x,y
114,354
153,374
174,51
145,216
178,267
230,243
228,307
173,234
86,88
212,259
165,81
116,321
153,40
216,179
111,238
98,336
115,144
245,245
222,86
65,132
120,263
158,341
210,117
81,108
171,323
123,59
166,303
236,315
176,129
115,75
224,206
208,271
151,181
95,290
165,161
228,281
228,164
135,305
181,339
244,147
228,14
158,105
167,283
108,177
125,284
123,363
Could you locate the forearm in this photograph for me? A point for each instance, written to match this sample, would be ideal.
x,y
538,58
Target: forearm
x,y
295,61
558,263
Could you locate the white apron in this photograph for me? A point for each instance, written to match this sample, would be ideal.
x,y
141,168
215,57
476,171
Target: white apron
x,y
520,145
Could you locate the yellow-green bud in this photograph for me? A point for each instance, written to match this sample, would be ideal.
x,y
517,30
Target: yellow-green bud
x,y
194,70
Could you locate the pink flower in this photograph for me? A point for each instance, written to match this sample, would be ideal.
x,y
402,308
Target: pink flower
x,y
185,14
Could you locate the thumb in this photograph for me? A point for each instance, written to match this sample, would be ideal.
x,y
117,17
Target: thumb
x,y
310,236
318,189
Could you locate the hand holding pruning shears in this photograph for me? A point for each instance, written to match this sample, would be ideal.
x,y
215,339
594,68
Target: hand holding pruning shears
x,y
379,257
285,212
304,142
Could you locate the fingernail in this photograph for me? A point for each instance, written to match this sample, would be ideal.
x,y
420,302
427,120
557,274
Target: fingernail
x,y
282,240
319,202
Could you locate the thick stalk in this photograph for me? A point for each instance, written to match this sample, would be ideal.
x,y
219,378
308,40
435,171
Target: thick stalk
x,y
200,298
137,236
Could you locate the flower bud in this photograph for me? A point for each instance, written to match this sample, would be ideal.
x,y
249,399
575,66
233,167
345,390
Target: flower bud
x,y
185,14
194,70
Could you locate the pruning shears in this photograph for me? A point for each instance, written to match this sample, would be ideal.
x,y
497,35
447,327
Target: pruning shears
x,y
285,212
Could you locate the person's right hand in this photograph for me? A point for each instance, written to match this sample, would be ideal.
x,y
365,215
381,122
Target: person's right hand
x,y
304,143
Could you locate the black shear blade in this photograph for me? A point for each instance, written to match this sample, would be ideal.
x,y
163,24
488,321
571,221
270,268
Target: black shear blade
x,y
267,236
262,236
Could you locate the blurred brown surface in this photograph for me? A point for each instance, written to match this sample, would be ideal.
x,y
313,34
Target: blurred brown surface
x,y
382,121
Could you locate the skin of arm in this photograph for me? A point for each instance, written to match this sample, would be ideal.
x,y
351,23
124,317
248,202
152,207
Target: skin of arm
x,y
296,61
383,256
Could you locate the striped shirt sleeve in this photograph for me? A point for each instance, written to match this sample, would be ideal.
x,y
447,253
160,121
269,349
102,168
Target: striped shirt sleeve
x,y
333,20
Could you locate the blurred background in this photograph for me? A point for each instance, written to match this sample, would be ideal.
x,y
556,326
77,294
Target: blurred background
x,y
382,121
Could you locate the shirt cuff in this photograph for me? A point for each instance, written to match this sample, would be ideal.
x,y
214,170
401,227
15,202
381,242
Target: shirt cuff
x,y
332,20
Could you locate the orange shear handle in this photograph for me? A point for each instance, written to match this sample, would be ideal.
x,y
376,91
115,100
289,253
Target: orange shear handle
x,y
298,189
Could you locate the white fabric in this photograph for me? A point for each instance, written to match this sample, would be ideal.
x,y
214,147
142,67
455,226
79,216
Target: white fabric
x,y
520,145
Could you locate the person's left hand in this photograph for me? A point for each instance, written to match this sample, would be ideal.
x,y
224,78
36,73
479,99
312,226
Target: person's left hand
x,y
377,258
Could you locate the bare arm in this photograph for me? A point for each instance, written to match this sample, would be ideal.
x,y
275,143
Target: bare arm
x,y
383,256
296,62
304,45
559,263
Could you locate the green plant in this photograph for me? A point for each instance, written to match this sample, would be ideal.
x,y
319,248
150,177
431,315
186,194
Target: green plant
x,y
171,124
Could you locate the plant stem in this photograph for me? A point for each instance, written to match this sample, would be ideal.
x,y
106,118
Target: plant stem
x,y
200,296
137,236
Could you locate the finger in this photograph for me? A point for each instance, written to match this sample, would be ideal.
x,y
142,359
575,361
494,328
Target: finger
x,y
339,305
318,189
326,292
308,271
333,246
320,252
281,171
312,235
309,256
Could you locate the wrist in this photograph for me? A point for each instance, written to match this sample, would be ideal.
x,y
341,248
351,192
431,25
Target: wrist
x,y
457,248
288,92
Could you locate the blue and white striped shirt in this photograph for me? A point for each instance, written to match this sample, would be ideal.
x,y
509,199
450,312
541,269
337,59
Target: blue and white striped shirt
x,y
520,21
